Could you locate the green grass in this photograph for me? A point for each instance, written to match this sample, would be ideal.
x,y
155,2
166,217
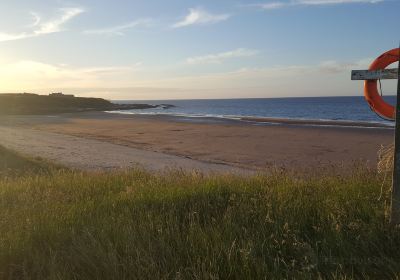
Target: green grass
x,y
135,225
14,164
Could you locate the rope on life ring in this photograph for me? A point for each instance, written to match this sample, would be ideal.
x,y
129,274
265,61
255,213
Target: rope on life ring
x,y
371,92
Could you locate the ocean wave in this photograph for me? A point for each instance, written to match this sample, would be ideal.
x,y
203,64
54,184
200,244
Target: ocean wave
x,y
267,120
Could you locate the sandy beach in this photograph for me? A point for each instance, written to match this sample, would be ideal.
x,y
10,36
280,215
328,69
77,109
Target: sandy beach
x,y
247,145
93,155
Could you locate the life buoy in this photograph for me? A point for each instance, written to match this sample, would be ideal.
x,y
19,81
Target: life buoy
x,y
371,92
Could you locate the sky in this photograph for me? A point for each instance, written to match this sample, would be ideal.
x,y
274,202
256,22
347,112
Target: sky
x,y
175,49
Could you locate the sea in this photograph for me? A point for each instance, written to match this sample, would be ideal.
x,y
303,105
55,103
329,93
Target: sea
x,y
351,108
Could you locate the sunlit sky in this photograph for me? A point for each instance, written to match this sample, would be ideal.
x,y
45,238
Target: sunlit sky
x,y
157,49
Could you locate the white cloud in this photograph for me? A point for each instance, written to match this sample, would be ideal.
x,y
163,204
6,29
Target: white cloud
x,y
55,25
27,74
40,27
331,2
271,6
274,81
11,37
36,19
119,29
220,57
200,16
118,81
334,67
277,5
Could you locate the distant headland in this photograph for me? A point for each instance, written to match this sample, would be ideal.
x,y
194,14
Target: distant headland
x,y
35,104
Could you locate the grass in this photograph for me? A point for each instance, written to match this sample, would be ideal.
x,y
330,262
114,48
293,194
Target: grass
x,y
14,164
135,225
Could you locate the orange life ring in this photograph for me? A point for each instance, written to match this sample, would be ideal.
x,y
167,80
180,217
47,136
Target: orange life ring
x,y
371,92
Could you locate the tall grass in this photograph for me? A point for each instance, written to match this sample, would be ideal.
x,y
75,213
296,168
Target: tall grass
x,y
136,225
14,164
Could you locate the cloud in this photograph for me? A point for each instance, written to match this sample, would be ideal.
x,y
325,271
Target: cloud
x,y
4,37
55,25
332,2
273,81
277,5
36,20
28,74
271,5
133,82
119,29
334,67
198,16
220,57
39,27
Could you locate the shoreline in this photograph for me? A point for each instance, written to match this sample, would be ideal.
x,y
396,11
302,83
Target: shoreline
x,y
261,120
237,143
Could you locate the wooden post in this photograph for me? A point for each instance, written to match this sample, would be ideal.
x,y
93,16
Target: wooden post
x,y
395,203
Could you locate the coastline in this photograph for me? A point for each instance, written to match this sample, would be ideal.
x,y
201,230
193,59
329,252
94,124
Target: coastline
x,y
238,143
318,111
310,122
263,120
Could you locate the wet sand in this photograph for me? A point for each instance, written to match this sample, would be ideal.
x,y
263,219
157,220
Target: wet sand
x,y
242,144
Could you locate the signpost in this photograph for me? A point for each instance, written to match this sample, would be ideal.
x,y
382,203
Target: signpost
x,y
383,74
379,75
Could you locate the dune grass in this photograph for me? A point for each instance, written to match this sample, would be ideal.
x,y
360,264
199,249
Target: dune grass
x,y
14,164
136,225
